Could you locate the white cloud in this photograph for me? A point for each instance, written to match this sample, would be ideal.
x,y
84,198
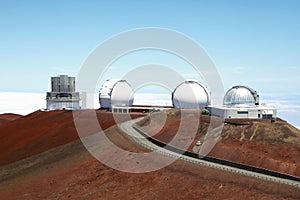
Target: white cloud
x,y
21,103
286,109
152,99
284,106
25,103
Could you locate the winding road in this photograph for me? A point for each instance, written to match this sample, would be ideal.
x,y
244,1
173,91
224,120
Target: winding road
x,y
128,128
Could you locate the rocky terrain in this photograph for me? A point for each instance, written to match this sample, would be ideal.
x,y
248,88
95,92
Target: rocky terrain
x,y
256,142
42,158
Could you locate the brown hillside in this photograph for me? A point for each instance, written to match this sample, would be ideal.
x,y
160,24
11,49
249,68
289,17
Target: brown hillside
x,y
40,131
69,172
274,146
8,117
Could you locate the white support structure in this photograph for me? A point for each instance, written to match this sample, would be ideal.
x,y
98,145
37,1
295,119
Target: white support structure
x,y
243,112
242,102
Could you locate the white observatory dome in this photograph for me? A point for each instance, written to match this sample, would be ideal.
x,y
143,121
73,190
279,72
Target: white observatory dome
x,y
241,95
115,92
190,94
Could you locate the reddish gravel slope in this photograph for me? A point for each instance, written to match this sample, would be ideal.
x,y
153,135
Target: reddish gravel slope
x,y
57,166
8,117
40,131
69,172
274,146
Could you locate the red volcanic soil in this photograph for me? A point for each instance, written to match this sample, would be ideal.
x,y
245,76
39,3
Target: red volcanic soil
x,y
70,172
42,158
274,146
41,131
8,117
277,157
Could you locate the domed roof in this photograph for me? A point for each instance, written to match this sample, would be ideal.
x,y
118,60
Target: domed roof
x,y
241,95
190,94
108,86
115,92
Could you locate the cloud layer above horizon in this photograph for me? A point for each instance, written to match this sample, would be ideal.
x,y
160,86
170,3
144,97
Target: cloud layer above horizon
x,y
26,103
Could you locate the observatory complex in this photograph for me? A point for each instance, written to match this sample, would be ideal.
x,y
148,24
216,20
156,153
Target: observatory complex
x,y
63,95
242,102
239,101
117,96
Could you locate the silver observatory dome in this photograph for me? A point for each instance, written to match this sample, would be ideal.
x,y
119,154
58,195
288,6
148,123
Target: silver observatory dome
x,y
190,94
115,92
241,96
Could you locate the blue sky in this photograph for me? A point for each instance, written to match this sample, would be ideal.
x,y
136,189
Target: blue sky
x,y
255,43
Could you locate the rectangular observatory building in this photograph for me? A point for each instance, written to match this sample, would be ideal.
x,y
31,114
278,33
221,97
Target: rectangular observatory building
x,y
63,95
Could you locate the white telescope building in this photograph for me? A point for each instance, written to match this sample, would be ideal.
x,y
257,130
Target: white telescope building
x,y
63,95
115,92
190,94
242,102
